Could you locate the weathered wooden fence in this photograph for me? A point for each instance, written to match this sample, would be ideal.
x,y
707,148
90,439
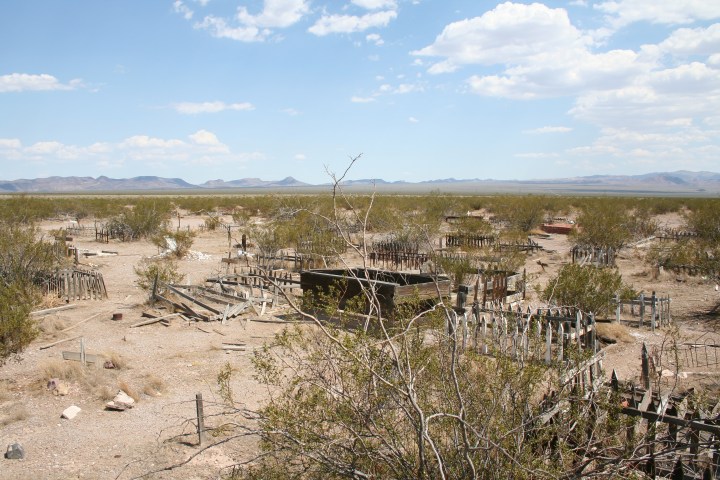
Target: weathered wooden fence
x,y
597,256
468,240
659,310
393,246
398,260
76,284
542,335
675,234
690,355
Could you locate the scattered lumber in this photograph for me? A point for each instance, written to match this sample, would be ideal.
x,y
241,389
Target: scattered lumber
x,y
81,322
43,347
154,320
48,311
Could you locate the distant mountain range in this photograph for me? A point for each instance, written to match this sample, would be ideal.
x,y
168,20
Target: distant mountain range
x,y
680,182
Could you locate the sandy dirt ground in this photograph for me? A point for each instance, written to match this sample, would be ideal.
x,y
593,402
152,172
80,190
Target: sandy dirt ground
x,y
165,366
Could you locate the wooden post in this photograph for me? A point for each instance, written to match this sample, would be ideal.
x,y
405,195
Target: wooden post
x,y
645,378
484,336
578,317
642,308
548,343
154,289
653,311
200,418
560,341
82,351
617,307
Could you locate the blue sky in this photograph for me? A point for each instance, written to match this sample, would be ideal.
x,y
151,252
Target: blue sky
x,y
423,89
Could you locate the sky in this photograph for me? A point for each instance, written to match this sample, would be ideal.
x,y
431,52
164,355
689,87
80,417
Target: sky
x,y
419,89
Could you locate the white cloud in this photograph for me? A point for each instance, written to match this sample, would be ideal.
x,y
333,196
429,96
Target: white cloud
x,y
182,9
23,82
10,143
291,111
147,142
203,137
549,129
190,108
275,14
413,120
508,34
624,12
374,38
300,157
693,41
248,27
375,4
328,24
219,28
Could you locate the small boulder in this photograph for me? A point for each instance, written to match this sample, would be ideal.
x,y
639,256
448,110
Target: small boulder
x,y
70,412
122,401
15,452
108,364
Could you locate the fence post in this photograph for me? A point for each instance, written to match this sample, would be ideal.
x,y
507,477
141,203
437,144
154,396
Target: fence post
x,y
642,308
200,418
645,378
560,341
578,317
618,305
653,311
548,342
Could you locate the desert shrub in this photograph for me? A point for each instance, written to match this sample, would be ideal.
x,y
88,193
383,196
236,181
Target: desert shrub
x,y
704,219
178,242
25,263
164,269
17,329
145,219
603,224
25,259
153,386
212,222
587,288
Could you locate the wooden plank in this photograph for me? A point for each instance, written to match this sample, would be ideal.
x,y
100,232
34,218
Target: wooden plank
x,y
77,357
43,347
154,320
83,321
192,299
681,422
48,311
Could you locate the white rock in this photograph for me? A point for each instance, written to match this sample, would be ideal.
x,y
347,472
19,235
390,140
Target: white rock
x,y
70,412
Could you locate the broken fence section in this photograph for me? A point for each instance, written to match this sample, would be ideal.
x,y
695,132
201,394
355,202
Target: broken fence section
x,y
76,284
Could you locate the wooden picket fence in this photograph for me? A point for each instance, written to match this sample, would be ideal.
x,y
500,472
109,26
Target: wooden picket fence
x,y
652,310
76,284
542,335
589,255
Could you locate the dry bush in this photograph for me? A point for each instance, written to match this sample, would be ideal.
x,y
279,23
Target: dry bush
x,y
614,331
52,325
64,370
125,387
117,360
15,412
90,378
105,393
154,386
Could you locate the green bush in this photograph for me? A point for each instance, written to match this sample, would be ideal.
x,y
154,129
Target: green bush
x,y
183,240
587,288
165,270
